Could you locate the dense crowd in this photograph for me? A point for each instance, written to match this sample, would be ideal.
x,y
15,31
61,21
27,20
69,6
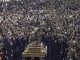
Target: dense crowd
x,y
13,46
24,18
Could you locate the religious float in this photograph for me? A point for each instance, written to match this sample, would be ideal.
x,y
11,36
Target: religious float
x,y
35,49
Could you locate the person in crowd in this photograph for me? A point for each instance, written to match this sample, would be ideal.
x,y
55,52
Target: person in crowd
x,y
2,48
9,44
13,46
48,41
18,51
55,47
63,47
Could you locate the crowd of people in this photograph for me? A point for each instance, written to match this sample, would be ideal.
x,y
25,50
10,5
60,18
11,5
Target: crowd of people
x,y
19,21
13,46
